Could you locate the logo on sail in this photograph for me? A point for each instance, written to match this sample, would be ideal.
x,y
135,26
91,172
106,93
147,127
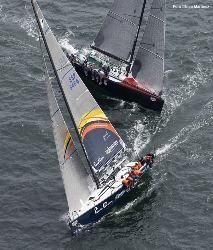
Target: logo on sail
x,y
99,137
98,161
73,81
111,147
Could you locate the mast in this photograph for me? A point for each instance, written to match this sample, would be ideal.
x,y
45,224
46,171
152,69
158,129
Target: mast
x,y
63,94
136,38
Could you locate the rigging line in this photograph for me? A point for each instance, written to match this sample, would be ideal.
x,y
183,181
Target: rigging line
x,y
65,65
63,163
66,159
65,74
55,112
152,52
109,54
157,18
125,19
81,94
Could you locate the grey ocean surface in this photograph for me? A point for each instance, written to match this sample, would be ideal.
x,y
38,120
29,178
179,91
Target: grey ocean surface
x,y
173,208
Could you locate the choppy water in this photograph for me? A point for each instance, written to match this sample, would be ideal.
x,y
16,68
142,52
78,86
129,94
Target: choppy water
x,y
174,207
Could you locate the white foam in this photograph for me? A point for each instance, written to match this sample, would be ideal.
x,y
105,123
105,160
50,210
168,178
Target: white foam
x,y
64,217
29,25
127,207
200,121
189,85
163,149
64,42
26,22
143,137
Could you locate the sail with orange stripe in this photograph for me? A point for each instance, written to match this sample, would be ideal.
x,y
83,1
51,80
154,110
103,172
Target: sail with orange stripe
x,y
99,139
78,183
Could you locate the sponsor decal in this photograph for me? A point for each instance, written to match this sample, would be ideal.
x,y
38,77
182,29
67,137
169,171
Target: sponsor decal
x,y
73,81
119,195
104,205
106,136
100,159
111,147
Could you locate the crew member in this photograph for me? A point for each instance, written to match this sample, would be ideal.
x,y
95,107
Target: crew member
x,y
137,165
149,159
127,181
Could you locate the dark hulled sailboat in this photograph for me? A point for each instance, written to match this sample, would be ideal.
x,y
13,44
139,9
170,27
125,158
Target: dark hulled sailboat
x,y
124,62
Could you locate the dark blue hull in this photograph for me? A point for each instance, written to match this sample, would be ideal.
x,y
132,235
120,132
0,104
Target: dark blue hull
x,y
96,213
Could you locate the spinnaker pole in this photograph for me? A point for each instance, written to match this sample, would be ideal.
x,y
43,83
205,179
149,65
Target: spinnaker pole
x,y
136,38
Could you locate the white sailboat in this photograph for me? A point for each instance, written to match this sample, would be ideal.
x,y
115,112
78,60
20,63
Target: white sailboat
x,y
92,189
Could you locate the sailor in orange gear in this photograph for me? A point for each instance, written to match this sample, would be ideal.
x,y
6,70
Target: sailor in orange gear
x,y
136,172
137,166
127,181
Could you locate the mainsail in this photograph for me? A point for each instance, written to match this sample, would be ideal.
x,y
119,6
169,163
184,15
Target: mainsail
x,y
78,183
148,66
100,141
117,34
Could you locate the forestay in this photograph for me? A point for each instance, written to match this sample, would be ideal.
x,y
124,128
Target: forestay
x,y
100,140
148,66
117,34
78,183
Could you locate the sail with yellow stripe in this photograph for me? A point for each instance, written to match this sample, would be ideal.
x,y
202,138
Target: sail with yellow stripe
x,y
78,183
99,139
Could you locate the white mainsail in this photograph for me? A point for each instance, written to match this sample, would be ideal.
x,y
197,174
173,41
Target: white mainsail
x,y
78,183
100,141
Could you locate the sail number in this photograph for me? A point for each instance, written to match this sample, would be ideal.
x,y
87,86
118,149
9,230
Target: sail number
x,y
73,81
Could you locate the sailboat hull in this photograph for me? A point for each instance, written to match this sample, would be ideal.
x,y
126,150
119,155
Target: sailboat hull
x,y
98,211
121,89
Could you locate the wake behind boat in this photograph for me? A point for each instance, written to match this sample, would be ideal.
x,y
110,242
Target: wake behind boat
x,y
124,62
97,180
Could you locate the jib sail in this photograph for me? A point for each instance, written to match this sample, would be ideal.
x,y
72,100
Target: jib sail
x,y
148,66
